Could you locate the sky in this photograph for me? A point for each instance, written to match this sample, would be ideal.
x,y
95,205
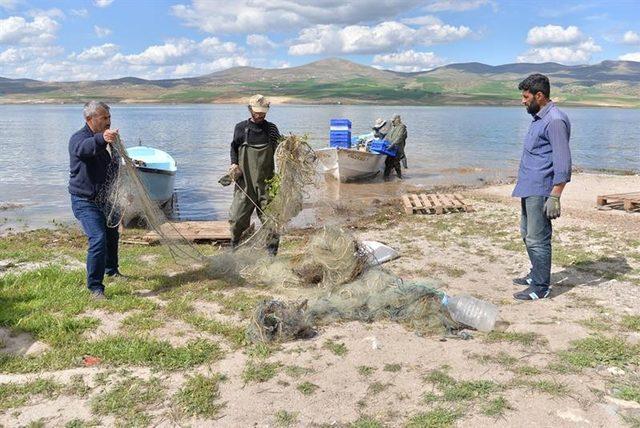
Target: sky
x,y
157,39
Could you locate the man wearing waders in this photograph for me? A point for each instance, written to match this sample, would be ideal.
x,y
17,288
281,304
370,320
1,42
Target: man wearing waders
x,y
398,138
252,165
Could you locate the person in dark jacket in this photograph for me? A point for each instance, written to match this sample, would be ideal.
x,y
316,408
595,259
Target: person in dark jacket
x,y
398,139
252,166
92,166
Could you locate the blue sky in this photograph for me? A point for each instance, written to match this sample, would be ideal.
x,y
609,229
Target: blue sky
x,y
98,39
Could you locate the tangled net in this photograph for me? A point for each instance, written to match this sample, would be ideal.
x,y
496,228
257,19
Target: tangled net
x,y
332,262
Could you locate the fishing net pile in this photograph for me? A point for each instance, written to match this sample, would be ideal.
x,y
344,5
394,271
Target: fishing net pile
x,y
336,273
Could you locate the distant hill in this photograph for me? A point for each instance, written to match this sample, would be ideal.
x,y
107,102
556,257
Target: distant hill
x,y
609,83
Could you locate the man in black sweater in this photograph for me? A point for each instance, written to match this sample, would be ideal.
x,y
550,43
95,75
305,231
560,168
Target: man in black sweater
x,y
252,166
92,167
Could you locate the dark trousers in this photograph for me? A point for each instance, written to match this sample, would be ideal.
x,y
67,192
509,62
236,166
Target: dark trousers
x,y
536,231
392,163
102,255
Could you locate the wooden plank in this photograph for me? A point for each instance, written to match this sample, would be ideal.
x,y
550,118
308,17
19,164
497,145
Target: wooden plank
x,y
601,200
416,202
426,202
446,201
628,205
193,231
408,207
467,206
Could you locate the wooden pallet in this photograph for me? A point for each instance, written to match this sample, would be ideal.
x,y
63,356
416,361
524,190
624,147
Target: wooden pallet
x,y
434,203
626,201
193,231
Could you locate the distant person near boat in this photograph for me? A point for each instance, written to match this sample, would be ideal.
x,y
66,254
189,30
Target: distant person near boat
x,y
545,169
252,166
397,136
92,166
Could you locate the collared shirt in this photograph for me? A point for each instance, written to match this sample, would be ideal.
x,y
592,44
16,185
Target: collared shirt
x,y
546,158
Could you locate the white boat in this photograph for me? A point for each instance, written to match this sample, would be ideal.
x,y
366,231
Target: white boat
x,y
350,164
157,171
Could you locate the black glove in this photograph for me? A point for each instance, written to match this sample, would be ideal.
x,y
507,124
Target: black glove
x,y
552,207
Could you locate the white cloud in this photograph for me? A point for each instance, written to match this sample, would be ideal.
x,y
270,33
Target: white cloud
x,y
250,16
570,55
384,37
553,43
96,53
170,53
81,13
408,61
102,3
456,5
50,13
101,31
260,41
554,35
17,56
16,30
212,46
633,56
631,38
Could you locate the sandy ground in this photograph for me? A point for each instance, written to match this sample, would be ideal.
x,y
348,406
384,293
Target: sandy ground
x,y
461,263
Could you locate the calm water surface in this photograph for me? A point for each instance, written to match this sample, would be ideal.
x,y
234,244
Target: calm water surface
x,y
446,145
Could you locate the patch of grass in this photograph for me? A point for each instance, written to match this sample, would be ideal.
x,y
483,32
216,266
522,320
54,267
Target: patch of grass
x,y
128,399
366,371
393,368
241,302
376,388
525,339
81,423
501,358
469,390
141,321
596,324
16,395
262,350
595,350
528,370
496,407
77,386
628,392
439,378
307,388
340,349
117,350
259,372
366,422
631,322
297,371
436,418
199,396
285,419
551,387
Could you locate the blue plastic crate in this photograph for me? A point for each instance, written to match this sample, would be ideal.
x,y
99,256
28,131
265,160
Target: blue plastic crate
x,y
340,134
341,123
382,146
340,144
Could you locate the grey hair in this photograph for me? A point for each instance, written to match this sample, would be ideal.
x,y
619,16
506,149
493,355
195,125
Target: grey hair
x,y
91,108
396,116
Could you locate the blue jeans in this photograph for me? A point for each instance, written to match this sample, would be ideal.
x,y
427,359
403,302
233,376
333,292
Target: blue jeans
x,y
535,229
103,241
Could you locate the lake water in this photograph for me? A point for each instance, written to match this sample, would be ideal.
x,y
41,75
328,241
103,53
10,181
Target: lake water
x,y
446,145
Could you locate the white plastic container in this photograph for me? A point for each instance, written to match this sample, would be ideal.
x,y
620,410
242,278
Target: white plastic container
x,y
472,312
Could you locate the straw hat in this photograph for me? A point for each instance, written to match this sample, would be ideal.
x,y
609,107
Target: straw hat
x,y
259,104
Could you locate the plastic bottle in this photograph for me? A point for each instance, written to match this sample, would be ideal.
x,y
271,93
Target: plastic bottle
x,y
470,311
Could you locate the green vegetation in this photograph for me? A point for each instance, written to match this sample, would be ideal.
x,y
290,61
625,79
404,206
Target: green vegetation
x,y
366,371
128,400
628,392
496,407
307,388
199,396
437,418
393,368
16,395
340,349
595,350
285,419
366,422
631,322
259,371
525,339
